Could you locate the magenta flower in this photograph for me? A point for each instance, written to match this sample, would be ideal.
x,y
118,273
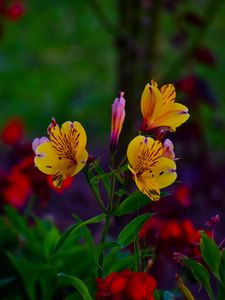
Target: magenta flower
x,y
118,115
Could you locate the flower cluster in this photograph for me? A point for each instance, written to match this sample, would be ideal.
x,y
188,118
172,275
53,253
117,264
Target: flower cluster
x,y
126,285
151,162
171,236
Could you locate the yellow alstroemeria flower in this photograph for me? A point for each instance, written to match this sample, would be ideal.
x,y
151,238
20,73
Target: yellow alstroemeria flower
x,y
159,109
151,170
64,153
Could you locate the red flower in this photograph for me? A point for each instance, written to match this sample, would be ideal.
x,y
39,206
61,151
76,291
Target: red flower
x,y
182,195
13,132
37,180
170,231
172,235
140,286
126,285
16,190
15,11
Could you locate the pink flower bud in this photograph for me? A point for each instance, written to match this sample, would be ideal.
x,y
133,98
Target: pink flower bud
x,y
118,115
215,219
168,149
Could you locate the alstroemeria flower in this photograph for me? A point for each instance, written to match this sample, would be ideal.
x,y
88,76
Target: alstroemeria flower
x,y
118,115
159,109
64,153
152,171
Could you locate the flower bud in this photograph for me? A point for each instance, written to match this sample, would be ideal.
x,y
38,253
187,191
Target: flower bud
x,y
118,115
168,149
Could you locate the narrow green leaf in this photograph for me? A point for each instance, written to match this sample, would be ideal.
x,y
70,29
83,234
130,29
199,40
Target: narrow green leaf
x,y
210,253
112,258
222,268
130,231
29,273
132,203
201,275
127,262
106,245
78,284
74,228
183,289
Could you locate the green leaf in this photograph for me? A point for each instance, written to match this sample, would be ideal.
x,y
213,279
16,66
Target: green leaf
x,y
18,222
132,203
183,289
156,294
201,275
221,291
79,285
127,262
222,267
111,258
29,273
74,228
106,245
86,233
130,231
210,253
106,176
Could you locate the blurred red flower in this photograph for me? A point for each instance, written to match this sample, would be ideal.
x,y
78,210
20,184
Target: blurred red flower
x,y
182,195
15,10
126,285
13,132
16,189
172,235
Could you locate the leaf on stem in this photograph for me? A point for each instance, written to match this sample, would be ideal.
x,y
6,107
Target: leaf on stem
x,y
210,253
74,228
130,231
201,275
127,262
78,284
132,203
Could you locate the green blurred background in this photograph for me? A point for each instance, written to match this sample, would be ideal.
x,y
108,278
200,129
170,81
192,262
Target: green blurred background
x,y
60,59
57,60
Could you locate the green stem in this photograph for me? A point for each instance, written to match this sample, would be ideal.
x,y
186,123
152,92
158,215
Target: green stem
x,y
104,234
96,193
122,162
118,199
107,218
137,254
113,183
